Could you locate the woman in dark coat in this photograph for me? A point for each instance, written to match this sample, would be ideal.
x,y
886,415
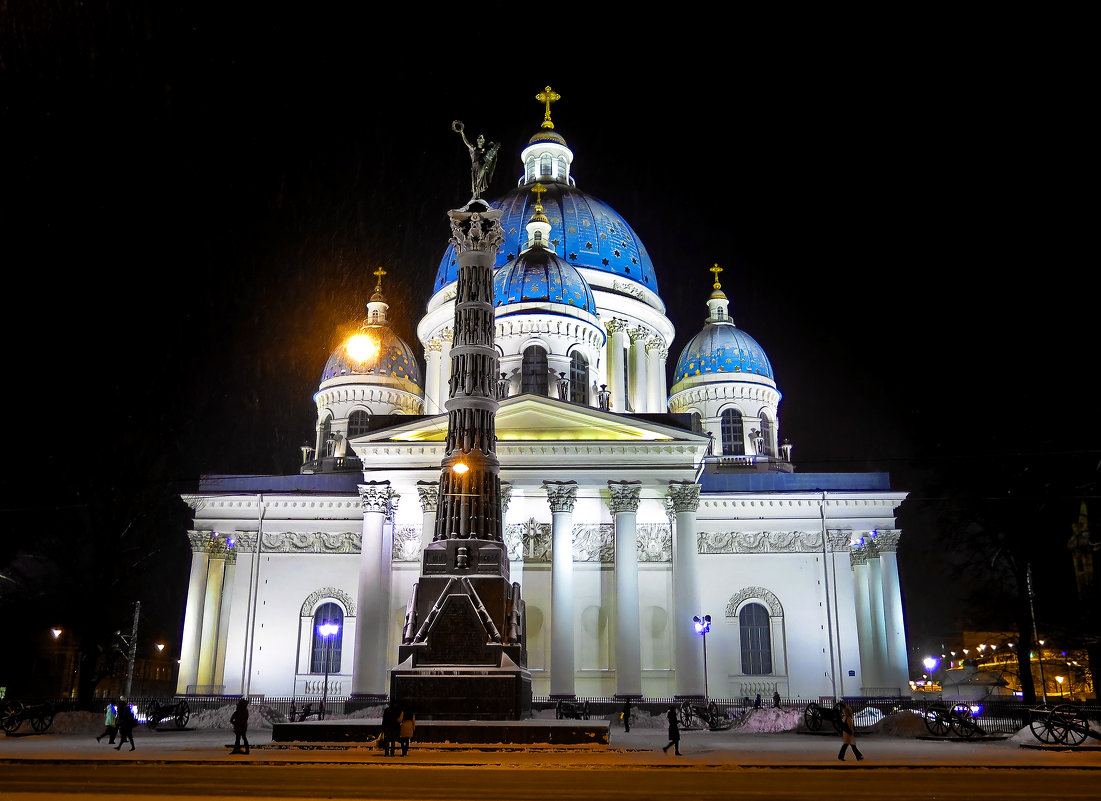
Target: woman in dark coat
x,y
126,724
848,734
239,721
674,732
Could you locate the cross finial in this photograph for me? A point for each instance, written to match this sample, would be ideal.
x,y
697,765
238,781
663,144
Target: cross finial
x,y
547,96
379,272
716,269
538,191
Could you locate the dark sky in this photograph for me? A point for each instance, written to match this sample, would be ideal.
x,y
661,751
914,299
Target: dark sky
x,y
194,201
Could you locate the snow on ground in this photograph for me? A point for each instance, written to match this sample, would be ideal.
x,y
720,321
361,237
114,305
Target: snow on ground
x,y
769,719
75,723
900,724
259,717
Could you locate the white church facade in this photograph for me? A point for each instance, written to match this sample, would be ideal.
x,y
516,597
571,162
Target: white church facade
x,y
629,506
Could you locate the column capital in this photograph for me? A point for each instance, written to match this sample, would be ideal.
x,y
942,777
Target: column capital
x,y
887,541
375,496
476,227
561,495
614,325
685,495
429,494
434,345
637,334
209,542
655,343
858,556
664,355
624,496
506,497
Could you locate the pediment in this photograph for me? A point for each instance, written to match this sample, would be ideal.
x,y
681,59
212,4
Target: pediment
x,y
534,418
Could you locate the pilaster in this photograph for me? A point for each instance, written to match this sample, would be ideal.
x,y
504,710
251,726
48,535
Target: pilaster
x,y
687,646
623,502
562,495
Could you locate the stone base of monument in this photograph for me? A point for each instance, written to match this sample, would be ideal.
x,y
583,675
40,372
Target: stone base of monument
x,y
456,732
464,693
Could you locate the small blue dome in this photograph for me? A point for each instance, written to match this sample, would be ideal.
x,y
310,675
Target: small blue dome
x,y
395,360
540,276
722,348
586,232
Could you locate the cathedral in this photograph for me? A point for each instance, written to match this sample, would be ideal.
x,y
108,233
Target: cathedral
x,y
665,544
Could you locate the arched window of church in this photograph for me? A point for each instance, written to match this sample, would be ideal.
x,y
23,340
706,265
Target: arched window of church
x,y
357,423
534,374
579,379
545,165
766,435
327,648
324,441
562,167
756,640
530,168
731,429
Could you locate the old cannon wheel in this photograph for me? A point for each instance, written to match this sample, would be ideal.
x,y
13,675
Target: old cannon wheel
x,y
1042,726
42,719
812,717
936,722
11,716
838,712
153,715
962,721
1071,725
183,714
684,715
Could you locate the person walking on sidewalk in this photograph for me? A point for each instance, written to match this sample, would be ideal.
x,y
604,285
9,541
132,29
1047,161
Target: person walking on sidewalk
x,y
239,721
407,728
674,732
626,715
848,734
109,727
126,723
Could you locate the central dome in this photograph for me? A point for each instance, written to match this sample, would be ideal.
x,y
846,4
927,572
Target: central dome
x,y
722,348
588,233
539,276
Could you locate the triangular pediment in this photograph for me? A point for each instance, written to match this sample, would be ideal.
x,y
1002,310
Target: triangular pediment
x,y
535,418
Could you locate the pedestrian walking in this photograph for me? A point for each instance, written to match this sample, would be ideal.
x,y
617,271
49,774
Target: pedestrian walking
x,y
848,734
109,727
776,698
126,724
239,721
674,732
391,728
406,729
626,715
757,702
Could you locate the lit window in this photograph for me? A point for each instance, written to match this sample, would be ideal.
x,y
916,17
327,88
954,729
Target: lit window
x,y
327,648
731,430
756,640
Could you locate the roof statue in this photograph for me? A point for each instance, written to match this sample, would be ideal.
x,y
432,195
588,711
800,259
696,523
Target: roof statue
x,y
547,96
483,160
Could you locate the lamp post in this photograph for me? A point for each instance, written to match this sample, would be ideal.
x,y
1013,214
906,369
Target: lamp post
x,y
703,625
328,632
1060,680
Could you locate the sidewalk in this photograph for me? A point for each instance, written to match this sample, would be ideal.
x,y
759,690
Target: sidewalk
x,y
700,749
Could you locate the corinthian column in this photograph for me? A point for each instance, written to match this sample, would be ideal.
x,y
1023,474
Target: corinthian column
x,y
897,667
639,390
616,367
444,390
432,402
623,503
875,604
193,612
225,610
429,494
562,495
654,370
688,649
858,559
369,677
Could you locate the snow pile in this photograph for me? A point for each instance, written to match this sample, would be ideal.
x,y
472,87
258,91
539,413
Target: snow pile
x,y
73,723
901,724
259,717
367,713
1026,737
770,719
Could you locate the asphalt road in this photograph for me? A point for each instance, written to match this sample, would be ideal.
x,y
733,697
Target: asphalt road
x,y
405,782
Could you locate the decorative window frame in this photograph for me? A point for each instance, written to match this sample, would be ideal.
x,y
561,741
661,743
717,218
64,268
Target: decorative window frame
x,y
766,598
313,602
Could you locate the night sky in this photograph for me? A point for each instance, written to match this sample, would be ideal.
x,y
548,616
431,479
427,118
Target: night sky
x,y
194,202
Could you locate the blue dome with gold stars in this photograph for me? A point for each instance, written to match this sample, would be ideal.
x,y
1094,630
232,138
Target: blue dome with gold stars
x,y
394,360
587,233
539,276
721,347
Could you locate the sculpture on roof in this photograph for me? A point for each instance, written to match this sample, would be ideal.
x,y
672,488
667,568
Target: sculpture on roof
x,y
483,160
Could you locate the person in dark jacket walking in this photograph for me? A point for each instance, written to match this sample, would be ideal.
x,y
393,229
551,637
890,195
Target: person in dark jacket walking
x,y
239,721
126,723
391,728
776,699
109,727
848,733
627,715
674,732
757,702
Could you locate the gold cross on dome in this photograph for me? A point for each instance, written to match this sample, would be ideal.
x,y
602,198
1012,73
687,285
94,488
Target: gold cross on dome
x,y
538,191
547,96
716,269
379,272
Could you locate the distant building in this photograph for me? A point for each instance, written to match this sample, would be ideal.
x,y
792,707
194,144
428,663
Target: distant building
x,y
681,501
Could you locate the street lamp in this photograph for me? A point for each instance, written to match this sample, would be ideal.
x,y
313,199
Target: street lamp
x,y
1060,680
328,633
931,663
703,625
